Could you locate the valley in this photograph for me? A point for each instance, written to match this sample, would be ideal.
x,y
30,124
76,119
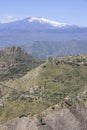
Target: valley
x,y
43,65
43,75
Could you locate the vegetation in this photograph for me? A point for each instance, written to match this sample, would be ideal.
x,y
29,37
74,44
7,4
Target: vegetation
x,y
61,81
14,62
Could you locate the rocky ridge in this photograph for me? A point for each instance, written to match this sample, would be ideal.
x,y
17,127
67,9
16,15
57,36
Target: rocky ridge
x,y
62,119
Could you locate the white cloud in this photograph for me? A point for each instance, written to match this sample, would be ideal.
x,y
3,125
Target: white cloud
x,y
8,19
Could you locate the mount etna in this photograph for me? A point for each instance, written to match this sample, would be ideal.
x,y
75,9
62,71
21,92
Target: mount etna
x,y
42,37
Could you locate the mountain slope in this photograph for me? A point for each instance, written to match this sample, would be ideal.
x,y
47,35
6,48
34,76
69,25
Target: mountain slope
x,y
51,83
15,62
45,21
44,49
38,29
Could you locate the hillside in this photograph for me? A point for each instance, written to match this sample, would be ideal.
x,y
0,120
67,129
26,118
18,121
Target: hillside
x,y
44,49
61,81
15,62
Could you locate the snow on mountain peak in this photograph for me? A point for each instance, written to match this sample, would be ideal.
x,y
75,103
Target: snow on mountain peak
x,y
46,21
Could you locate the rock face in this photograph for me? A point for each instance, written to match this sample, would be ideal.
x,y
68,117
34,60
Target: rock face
x,y
64,119
15,62
12,53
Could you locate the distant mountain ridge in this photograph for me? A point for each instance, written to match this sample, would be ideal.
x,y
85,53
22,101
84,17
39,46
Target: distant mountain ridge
x,y
38,29
40,20
45,49
42,37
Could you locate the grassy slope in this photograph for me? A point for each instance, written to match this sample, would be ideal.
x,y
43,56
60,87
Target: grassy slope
x,y
51,84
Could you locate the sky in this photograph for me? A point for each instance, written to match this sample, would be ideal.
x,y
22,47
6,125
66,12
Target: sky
x,y
65,11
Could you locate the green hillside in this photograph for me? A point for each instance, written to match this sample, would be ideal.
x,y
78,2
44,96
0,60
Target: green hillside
x,y
49,84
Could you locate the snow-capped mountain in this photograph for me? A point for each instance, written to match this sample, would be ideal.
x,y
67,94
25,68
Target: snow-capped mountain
x,y
38,29
34,19
46,21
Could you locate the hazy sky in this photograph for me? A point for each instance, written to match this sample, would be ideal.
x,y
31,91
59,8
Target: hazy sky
x,y
66,11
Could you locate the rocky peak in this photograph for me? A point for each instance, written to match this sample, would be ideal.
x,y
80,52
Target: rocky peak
x,y
15,54
15,50
15,60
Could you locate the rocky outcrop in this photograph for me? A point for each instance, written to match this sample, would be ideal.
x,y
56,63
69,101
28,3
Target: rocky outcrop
x,y
15,62
80,112
65,119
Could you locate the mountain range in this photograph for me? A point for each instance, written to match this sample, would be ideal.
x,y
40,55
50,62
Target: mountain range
x,y
42,37
46,94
